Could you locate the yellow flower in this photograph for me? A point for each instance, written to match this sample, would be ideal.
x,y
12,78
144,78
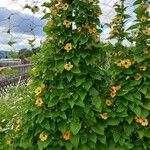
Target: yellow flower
x,y
126,63
143,19
18,121
66,135
144,122
38,90
39,102
117,20
96,38
79,29
17,128
9,141
50,23
29,82
143,68
135,33
145,51
54,11
112,94
138,119
65,6
145,6
108,102
67,23
146,32
68,66
43,136
42,85
35,9
119,64
138,77
68,47
104,116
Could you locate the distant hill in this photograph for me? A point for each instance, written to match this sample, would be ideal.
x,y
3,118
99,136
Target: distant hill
x,y
3,54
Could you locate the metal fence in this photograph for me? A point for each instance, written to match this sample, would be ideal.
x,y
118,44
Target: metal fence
x,y
15,80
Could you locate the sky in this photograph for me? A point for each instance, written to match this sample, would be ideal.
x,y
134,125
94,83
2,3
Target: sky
x,y
24,25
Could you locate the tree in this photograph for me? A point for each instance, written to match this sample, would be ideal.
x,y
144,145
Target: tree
x,y
24,53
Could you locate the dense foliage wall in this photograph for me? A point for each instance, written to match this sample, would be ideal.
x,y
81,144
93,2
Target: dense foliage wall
x,y
88,95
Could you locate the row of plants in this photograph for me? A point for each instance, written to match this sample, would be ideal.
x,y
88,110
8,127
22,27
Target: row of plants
x,y
88,95
12,106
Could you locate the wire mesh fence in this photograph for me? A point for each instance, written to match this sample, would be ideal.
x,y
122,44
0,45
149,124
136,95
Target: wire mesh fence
x,y
21,27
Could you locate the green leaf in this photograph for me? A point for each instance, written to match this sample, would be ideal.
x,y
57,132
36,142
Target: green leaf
x,y
76,70
129,119
94,92
137,110
69,76
53,101
83,40
75,127
87,84
76,38
62,127
75,140
141,133
71,102
47,15
102,139
135,26
76,60
42,144
98,129
92,137
122,92
79,80
116,135
113,121
128,128
82,94
96,101
144,89
68,145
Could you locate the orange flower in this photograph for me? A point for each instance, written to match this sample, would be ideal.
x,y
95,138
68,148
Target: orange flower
x,y
144,122
118,87
68,66
54,11
79,29
126,63
112,94
96,38
104,116
108,102
68,47
138,119
39,102
66,135
43,136
38,90
138,77
145,51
